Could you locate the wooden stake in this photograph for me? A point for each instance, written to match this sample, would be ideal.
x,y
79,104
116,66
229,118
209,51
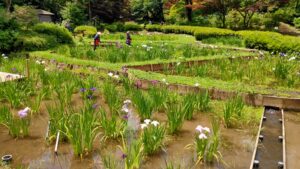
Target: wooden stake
x,y
56,144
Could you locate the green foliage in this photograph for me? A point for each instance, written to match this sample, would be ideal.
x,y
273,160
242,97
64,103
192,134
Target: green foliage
x,y
62,34
17,126
297,22
207,142
189,102
112,27
270,41
283,15
159,97
143,103
112,127
82,130
58,118
133,153
282,70
74,13
229,41
36,104
153,137
86,30
16,93
8,31
148,9
176,114
202,101
132,26
111,96
33,41
176,13
25,15
233,111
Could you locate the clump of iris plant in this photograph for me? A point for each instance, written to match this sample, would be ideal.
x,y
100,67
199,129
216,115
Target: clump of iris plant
x,y
18,126
206,143
153,136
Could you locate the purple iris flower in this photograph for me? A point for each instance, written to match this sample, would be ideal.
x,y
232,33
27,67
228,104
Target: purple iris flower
x,y
82,90
95,106
90,97
93,89
23,113
154,82
126,117
138,84
14,69
124,156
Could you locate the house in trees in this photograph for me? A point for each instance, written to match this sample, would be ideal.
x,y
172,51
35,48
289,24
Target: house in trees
x,y
45,16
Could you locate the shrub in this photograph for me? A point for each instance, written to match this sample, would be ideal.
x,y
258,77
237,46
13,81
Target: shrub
x,y
25,15
74,13
270,41
8,31
132,26
33,41
112,28
204,33
62,34
87,30
297,22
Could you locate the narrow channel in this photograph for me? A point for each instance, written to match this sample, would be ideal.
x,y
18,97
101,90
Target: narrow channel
x,y
269,150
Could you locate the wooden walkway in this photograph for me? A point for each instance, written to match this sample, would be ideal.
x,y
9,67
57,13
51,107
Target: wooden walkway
x,y
4,77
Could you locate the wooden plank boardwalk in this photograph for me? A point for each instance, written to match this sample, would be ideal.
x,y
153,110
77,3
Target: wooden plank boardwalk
x,y
4,77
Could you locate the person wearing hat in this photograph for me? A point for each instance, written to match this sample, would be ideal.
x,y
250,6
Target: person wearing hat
x,y
128,38
97,40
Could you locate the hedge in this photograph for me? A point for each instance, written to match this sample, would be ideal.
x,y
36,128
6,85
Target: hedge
x,y
34,41
87,30
132,26
61,33
270,41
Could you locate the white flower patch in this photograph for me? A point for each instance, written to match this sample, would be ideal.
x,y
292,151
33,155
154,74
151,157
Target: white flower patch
x,y
147,121
110,74
202,136
155,123
144,126
292,58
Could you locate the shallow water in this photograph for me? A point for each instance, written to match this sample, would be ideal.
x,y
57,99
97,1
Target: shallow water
x,y
236,148
269,151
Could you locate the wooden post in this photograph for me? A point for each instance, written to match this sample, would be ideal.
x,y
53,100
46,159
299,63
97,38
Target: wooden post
x,y
27,65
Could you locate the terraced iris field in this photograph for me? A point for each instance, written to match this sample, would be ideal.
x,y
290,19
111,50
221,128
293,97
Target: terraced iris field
x,y
81,108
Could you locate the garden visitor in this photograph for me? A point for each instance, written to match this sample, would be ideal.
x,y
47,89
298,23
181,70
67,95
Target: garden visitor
x,y
128,38
97,40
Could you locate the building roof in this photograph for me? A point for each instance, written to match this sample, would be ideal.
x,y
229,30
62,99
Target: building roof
x,y
43,12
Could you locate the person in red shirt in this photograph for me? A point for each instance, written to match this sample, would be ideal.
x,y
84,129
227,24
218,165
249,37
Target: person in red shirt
x,y
97,40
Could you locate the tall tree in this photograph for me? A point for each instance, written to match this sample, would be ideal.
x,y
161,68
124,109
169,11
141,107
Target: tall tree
x,y
220,7
74,14
189,11
8,4
247,9
147,10
110,11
